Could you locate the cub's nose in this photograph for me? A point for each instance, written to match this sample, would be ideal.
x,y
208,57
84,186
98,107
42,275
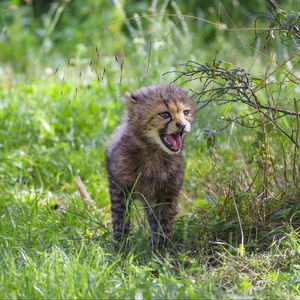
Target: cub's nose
x,y
180,126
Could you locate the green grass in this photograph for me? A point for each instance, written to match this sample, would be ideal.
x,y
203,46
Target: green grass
x,y
53,247
228,241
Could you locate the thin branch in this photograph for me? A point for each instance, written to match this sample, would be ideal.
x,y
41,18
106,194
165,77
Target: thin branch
x,y
273,4
85,196
221,85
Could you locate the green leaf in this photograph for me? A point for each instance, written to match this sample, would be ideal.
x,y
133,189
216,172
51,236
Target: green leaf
x,y
227,108
291,19
258,81
202,203
225,64
241,250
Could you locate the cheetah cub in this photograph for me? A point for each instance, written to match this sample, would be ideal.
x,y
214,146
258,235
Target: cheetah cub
x,y
144,158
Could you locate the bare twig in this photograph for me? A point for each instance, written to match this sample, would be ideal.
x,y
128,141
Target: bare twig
x,y
273,4
222,84
85,196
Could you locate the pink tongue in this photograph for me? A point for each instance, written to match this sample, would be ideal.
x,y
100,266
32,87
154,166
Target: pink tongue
x,y
175,140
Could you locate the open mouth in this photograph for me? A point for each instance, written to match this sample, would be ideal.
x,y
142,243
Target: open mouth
x,y
172,141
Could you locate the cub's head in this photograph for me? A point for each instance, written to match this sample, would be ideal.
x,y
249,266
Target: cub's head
x,y
162,114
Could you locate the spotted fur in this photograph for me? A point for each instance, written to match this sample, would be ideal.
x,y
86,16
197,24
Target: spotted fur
x,y
141,165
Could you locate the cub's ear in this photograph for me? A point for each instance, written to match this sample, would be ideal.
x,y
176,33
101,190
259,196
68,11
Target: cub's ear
x,y
130,98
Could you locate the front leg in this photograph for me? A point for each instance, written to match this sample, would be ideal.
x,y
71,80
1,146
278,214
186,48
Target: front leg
x,y
120,211
161,218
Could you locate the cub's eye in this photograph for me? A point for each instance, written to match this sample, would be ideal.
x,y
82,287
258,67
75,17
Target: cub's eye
x,y
186,113
165,115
